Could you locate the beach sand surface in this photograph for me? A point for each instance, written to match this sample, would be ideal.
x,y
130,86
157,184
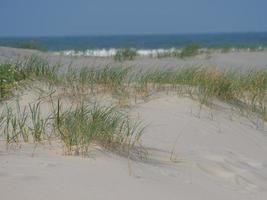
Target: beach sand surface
x,y
240,61
194,153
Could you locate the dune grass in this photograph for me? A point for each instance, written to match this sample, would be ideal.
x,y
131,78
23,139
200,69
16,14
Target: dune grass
x,y
111,78
125,54
22,124
82,125
207,84
190,50
38,124
10,76
35,67
77,127
201,82
106,126
32,68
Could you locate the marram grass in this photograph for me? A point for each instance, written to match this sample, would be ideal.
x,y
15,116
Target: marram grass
x,y
106,126
201,82
76,128
84,125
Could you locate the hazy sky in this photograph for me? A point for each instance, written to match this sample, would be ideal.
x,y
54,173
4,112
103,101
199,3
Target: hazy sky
x,y
93,17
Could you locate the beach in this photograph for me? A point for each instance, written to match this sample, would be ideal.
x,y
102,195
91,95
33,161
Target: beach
x,y
233,60
188,149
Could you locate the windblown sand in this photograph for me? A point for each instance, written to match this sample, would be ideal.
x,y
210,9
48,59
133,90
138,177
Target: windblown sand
x,y
194,153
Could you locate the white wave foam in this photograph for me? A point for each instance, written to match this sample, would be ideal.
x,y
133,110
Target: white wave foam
x,y
141,52
112,52
89,52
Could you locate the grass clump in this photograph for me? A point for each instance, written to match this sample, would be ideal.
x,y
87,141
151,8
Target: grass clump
x,y
32,68
253,87
205,84
107,78
125,54
106,126
19,124
10,75
38,123
162,78
190,50
77,128
214,83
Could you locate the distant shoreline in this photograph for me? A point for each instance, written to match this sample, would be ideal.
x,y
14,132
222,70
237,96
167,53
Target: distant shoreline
x,y
231,60
144,42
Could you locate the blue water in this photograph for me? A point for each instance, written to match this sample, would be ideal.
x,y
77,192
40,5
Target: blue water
x,y
142,41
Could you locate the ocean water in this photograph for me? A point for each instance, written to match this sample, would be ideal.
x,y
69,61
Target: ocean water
x,y
145,44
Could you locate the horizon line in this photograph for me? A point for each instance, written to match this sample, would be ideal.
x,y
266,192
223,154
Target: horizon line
x,y
133,35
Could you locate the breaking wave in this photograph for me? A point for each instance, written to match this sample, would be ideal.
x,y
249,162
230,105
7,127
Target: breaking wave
x,y
141,52
112,52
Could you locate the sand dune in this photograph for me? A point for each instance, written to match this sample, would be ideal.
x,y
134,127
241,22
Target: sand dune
x,y
193,153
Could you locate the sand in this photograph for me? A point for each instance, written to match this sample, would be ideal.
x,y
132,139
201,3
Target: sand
x,y
194,153
236,61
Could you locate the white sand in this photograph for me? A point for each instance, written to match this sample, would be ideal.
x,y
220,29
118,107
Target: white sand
x,y
217,154
236,60
209,154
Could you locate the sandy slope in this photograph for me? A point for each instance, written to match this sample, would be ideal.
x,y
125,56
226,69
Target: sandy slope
x,y
193,154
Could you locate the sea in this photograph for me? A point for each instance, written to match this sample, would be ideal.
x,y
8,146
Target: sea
x,y
144,44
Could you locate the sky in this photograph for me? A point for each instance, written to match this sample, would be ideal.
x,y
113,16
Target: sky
x,y
130,17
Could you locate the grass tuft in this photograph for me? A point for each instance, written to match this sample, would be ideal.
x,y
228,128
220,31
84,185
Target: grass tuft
x,y
106,126
190,50
125,54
